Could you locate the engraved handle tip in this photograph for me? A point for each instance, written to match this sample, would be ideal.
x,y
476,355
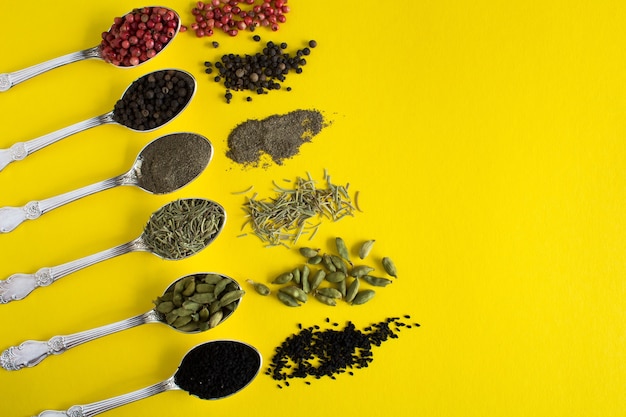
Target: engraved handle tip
x,y
10,218
18,286
5,82
30,353
50,413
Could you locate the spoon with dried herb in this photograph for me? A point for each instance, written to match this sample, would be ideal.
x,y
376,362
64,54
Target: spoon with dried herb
x,y
191,304
164,165
176,231
210,371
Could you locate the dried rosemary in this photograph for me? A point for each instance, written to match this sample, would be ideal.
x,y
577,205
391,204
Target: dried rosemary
x,y
183,227
287,216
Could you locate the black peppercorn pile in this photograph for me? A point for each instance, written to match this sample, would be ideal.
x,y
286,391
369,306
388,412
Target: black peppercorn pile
x,y
261,72
154,100
217,369
317,353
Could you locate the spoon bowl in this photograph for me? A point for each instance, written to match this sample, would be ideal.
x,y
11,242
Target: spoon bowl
x,y
201,317
164,165
219,369
177,230
120,115
104,51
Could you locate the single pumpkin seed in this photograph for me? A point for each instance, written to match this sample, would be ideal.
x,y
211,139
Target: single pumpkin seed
x,y
283,278
361,270
376,281
366,248
325,300
353,288
390,267
259,288
316,279
308,252
329,292
335,276
363,297
287,300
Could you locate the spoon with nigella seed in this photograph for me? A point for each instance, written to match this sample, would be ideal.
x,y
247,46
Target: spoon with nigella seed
x,y
163,166
132,39
149,103
209,371
177,230
191,304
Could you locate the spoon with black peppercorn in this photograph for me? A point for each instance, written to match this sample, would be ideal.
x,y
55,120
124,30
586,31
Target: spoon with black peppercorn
x,y
176,231
149,103
165,165
132,39
209,371
191,304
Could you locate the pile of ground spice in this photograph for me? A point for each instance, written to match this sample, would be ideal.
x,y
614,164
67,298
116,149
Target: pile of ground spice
x,y
316,353
279,136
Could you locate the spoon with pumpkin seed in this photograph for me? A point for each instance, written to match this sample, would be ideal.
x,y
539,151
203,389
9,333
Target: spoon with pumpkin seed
x,y
191,304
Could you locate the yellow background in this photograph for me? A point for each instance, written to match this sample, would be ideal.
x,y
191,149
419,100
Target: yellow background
x,y
486,140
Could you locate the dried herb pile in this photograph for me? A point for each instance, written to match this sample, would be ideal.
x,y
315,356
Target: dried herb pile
x,y
313,353
289,215
278,136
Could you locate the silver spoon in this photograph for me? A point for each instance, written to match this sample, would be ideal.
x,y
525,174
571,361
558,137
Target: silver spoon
x,y
21,150
189,228
8,80
165,165
31,353
223,377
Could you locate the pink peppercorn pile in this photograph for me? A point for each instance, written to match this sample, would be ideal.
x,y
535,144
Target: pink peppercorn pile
x,y
138,36
233,16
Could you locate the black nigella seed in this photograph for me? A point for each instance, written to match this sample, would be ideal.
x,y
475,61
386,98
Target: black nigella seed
x,y
256,38
215,44
248,98
312,43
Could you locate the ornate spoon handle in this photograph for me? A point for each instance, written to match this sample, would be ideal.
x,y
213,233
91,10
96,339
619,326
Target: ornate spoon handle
x,y
10,79
11,217
96,408
31,352
18,286
21,150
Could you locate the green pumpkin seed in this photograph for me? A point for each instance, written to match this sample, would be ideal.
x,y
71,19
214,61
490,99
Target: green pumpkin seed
x,y
353,288
215,319
308,252
165,307
304,279
366,248
342,249
287,300
375,281
335,276
325,300
283,278
363,297
316,260
316,279
259,288
390,267
295,293
329,292
361,270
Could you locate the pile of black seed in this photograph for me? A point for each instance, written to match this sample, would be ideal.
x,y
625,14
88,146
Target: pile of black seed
x,y
217,369
261,72
316,353
154,99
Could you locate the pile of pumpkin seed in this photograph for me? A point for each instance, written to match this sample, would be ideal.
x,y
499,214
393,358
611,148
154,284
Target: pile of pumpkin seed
x,y
330,277
199,302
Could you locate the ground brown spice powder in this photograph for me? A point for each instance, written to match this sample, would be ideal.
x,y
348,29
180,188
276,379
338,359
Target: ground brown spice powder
x,y
279,136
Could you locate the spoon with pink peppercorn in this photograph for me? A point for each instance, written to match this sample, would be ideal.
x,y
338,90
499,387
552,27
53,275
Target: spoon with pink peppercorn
x,y
131,40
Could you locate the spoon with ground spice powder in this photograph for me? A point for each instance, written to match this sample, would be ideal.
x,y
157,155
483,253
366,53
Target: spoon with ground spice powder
x,y
191,304
176,231
163,166
210,371
149,103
